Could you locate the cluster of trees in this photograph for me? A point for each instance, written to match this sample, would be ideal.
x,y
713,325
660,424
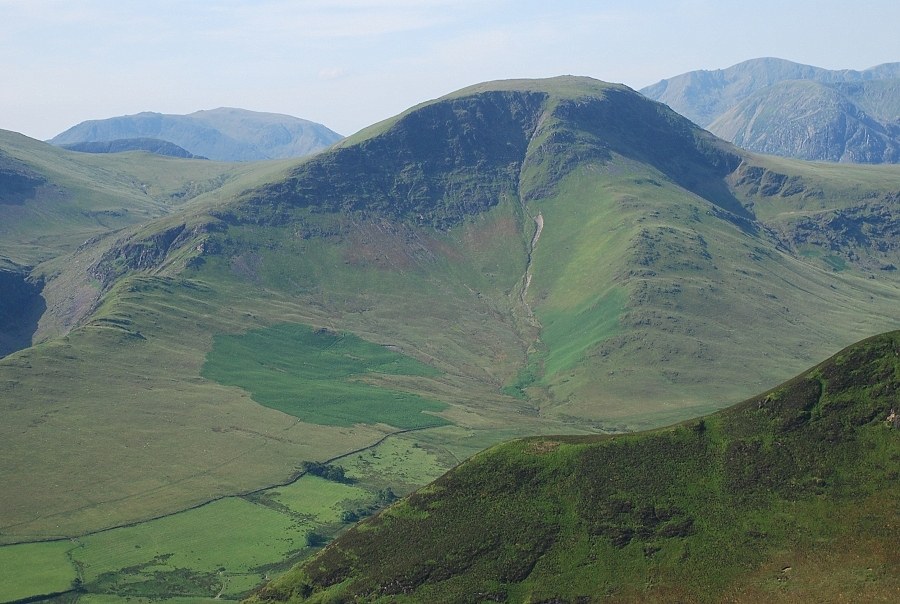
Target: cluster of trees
x,y
384,498
327,471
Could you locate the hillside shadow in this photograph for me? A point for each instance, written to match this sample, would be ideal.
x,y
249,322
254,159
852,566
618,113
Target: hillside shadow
x,y
21,307
18,182
653,134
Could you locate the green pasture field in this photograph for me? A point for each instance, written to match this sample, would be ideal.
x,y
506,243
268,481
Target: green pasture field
x,y
169,439
214,549
35,568
223,549
317,375
233,545
316,499
401,463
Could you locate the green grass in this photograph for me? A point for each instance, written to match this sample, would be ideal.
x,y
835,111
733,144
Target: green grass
x,y
199,552
686,513
113,599
35,568
322,500
640,286
318,375
569,336
200,439
225,548
399,463
169,439
86,195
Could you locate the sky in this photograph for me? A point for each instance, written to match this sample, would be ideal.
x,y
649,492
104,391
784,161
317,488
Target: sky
x,y
350,63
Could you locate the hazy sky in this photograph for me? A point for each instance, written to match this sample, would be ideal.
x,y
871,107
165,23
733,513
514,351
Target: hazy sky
x,y
349,63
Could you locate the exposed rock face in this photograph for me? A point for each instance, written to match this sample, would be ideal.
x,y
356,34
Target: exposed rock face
x,y
782,108
151,252
810,121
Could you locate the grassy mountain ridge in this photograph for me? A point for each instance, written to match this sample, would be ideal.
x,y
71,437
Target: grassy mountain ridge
x,y
151,145
223,134
769,499
55,202
564,256
52,200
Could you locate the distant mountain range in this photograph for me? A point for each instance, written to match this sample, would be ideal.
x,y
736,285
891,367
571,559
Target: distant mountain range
x,y
784,108
224,134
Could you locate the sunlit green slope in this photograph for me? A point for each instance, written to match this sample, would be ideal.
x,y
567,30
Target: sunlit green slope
x,y
52,200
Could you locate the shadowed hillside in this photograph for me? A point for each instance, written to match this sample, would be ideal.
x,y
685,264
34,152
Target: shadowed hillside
x,y
21,307
151,145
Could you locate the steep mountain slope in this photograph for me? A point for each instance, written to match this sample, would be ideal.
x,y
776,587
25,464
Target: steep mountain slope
x,y
789,496
545,256
808,120
223,134
784,108
151,145
703,95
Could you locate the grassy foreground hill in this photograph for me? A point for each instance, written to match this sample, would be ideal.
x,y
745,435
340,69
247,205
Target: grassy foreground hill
x,y
516,258
789,496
